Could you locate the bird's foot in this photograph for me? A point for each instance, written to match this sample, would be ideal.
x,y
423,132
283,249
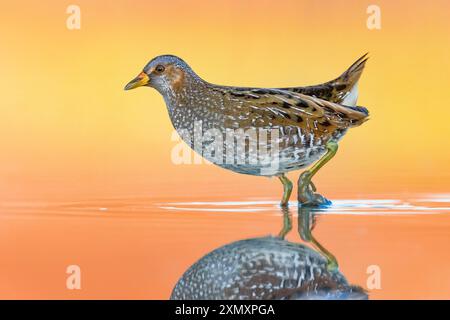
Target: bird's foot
x,y
313,200
306,193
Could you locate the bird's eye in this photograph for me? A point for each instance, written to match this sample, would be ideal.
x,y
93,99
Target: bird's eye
x,y
159,68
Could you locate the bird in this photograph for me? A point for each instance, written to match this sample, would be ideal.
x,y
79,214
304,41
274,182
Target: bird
x,y
270,268
302,125
264,268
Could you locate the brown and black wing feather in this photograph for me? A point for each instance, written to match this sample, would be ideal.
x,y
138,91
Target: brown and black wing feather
x,y
335,90
279,108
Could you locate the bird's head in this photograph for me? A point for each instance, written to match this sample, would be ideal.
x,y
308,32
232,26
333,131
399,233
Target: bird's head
x,y
164,73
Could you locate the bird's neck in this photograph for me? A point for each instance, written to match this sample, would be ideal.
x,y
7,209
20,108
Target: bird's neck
x,y
184,93
189,104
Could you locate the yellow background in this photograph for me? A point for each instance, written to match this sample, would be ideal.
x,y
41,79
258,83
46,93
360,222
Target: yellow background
x,y
68,130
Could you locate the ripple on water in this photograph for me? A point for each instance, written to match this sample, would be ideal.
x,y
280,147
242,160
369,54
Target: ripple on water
x,y
141,207
429,204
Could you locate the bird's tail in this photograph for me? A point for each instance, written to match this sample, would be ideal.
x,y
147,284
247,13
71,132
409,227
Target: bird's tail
x,y
349,80
342,90
351,76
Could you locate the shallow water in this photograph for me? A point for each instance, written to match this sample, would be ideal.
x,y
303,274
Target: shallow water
x,y
139,247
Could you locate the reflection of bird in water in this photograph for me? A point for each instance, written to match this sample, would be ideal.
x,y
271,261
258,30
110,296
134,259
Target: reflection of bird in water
x,y
309,121
265,268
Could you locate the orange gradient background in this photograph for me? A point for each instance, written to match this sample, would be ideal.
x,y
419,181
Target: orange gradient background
x,y
68,130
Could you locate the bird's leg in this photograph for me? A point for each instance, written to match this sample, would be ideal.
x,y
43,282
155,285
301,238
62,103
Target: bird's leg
x,y
306,195
312,186
287,189
287,223
305,216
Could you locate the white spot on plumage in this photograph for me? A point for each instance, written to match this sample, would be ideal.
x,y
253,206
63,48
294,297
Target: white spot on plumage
x,y
351,97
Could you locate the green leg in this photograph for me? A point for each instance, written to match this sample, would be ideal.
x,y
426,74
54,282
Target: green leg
x,y
306,195
305,215
287,223
287,189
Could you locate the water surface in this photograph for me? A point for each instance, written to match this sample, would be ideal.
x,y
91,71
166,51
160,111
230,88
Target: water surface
x,y
139,247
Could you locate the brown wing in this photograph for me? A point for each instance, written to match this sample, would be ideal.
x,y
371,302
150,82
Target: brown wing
x,y
335,90
270,108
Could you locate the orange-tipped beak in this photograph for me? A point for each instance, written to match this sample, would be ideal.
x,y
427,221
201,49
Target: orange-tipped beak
x,y
141,80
